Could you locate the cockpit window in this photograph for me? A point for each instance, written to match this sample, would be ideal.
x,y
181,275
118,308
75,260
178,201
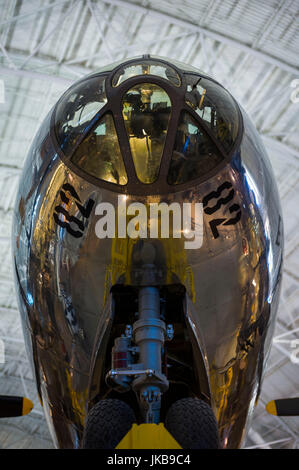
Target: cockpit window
x,y
146,67
75,112
99,154
216,107
194,154
146,112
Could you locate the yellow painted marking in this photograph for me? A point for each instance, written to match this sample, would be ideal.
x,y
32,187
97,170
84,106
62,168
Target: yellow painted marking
x,y
271,408
27,406
148,436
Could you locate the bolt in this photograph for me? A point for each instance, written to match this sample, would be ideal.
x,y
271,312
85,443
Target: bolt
x,y
128,331
169,332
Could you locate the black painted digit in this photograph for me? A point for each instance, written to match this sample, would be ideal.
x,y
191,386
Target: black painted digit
x,y
221,201
216,195
69,218
84,210
234,220
66,225
64,197
68,187
214,224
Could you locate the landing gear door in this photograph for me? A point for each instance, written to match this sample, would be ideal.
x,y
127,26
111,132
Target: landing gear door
x,y
200,355
97,363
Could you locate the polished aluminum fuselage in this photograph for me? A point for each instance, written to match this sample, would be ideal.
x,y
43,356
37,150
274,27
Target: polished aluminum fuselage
x,y
63,283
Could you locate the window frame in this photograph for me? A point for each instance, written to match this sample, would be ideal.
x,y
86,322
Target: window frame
x,y
95,126
178,105
187,113
129,140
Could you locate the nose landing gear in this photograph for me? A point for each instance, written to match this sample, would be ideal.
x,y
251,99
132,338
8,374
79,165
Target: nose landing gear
x,y
142,371
146,340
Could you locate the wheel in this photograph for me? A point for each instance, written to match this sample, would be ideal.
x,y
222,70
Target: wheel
x,y
192,423
107,423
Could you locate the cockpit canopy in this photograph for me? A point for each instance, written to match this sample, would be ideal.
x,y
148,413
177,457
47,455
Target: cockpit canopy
x,y
121,124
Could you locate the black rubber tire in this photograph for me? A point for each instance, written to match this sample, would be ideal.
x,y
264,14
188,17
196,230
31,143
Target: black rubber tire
x,y
192,423
107,423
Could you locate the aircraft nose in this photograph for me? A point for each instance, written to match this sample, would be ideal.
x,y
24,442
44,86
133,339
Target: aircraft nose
x,y
148,262
148,253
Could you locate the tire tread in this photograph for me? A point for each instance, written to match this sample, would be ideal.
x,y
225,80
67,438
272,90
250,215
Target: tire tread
x,y
192,423
107,423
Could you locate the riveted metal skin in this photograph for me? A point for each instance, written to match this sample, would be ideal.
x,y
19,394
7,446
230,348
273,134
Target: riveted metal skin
x,y
63,281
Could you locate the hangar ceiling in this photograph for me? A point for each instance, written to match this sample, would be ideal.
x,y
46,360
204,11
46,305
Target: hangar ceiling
x,y
251,47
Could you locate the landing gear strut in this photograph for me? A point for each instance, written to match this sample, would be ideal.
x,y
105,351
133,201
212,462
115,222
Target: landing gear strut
x,y
145,340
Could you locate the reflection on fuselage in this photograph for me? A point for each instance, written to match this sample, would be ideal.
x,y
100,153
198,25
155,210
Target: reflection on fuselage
x,y
64,273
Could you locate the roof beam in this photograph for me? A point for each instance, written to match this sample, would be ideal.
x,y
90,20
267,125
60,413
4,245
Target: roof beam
x,y
283,350
257,438
200,29
131,47
34,75
7,56
267,445
47,36
280,147
100,29
273,21
33,12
